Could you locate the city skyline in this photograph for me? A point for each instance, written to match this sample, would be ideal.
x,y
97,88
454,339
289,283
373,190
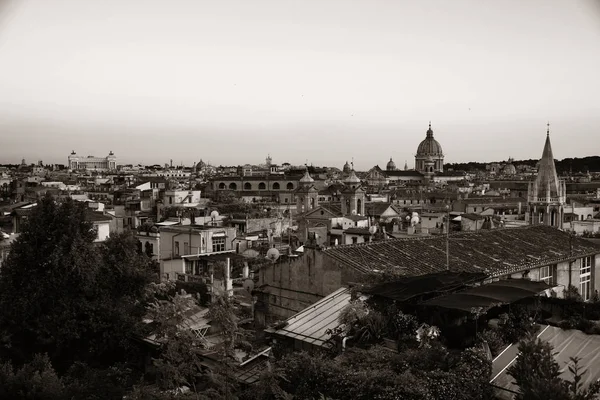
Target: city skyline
x,y
231,82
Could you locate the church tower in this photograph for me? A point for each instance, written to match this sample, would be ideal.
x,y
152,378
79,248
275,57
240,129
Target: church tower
x,y
353,196
307,196
546,196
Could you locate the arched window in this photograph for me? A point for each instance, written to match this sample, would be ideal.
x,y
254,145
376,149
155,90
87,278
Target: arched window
x,y
232,186
262,186
359,207
247,186
222,185
312,202
290,186
276,186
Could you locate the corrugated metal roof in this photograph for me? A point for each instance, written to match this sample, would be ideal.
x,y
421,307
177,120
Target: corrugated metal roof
x,y
566,343
310,324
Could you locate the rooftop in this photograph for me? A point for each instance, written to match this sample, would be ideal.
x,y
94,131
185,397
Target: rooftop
x,y
310,324
494,252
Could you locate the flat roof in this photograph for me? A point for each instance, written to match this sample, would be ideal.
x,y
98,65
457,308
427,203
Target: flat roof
x,y
310,324
566,343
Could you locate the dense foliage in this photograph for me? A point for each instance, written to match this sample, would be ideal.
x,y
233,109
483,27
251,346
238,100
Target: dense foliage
x,y
64,295
378,373
565,165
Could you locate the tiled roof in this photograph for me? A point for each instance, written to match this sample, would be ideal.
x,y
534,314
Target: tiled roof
x,y
495,252
377,208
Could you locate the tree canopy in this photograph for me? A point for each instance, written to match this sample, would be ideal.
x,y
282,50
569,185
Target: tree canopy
x,y
64,295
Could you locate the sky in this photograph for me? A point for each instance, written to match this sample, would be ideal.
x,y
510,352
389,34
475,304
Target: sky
x,y
317,81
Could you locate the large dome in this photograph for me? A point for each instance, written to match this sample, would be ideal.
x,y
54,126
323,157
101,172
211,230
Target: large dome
x,y
346,168
391,166
429,146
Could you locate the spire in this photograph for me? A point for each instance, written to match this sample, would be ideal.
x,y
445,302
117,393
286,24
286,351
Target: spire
x,y
548,129
547,179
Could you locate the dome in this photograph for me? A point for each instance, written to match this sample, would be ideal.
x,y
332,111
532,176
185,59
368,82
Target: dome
x,y
306,178
352,179
509,169
429,146
391,166
346,168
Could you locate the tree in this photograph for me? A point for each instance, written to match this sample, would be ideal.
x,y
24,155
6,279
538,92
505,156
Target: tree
x,y
34,380
64,295
537,374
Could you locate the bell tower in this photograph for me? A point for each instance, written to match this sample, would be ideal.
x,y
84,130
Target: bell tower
x,y
307,196
546,196
353,196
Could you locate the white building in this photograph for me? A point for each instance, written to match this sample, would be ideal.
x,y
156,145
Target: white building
x,y
91,163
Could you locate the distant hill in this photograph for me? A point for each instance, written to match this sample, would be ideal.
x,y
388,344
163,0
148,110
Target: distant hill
x,y
575,165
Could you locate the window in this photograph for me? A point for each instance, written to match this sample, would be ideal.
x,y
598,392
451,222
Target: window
x,y
290,186
176,248
218,244
186,248
247,186
276,186
262,186
189,268
354,240
546,274
585,278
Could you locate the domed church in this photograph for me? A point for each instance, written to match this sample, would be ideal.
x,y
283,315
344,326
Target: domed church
x,y
430,157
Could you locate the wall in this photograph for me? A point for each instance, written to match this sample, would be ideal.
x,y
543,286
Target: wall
x,y
296,283
103,229
592,225
467,224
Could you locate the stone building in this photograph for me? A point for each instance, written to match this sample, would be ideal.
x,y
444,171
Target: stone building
x,y
108,163
430,157
536,253
546,196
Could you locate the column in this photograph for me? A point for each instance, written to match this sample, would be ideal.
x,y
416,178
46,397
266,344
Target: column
x,y
228,281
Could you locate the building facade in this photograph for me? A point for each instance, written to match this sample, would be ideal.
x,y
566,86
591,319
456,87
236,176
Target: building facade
x,y
547,195
430,157
108,163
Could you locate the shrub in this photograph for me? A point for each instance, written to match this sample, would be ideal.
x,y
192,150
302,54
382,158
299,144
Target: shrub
x,y
494,339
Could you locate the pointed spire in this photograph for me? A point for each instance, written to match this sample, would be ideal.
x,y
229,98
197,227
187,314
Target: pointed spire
x,y
547,179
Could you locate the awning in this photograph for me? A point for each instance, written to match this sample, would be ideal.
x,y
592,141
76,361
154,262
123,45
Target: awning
x,y
490,295
406,288
219,234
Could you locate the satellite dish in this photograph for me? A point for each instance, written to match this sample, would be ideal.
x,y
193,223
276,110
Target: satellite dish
x,y
273,254
214,214
249,285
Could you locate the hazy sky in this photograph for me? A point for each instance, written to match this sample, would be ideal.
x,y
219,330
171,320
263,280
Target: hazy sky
x,y
325,80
